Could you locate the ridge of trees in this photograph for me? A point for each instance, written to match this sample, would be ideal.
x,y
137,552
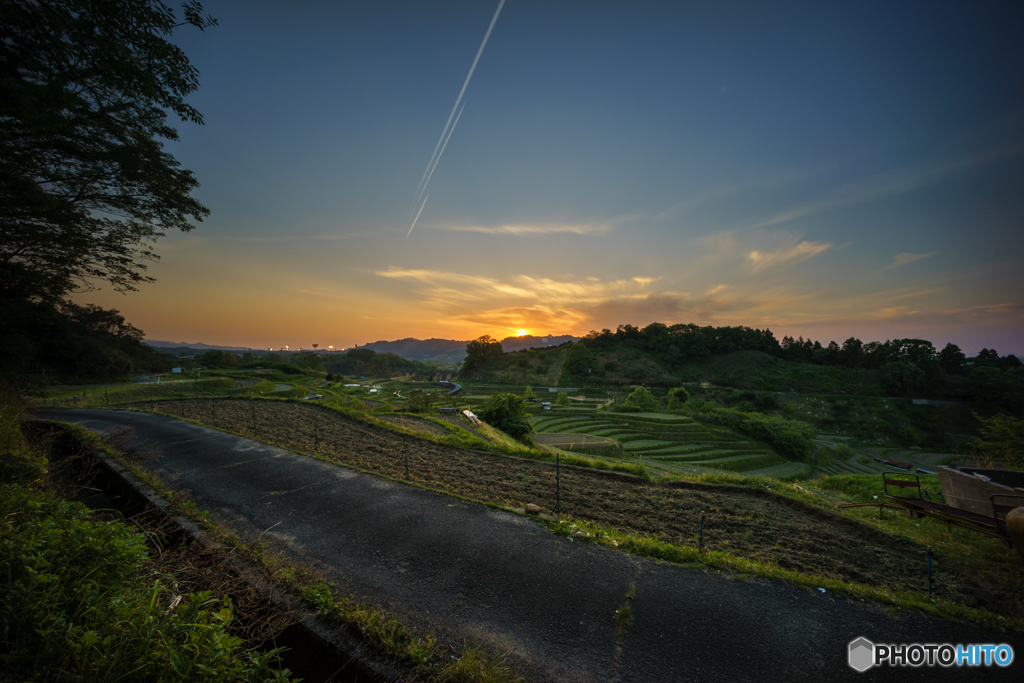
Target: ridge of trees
x,y
689,342
898,367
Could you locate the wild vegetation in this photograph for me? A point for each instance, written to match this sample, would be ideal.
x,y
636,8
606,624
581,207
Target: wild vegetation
x,y
81,601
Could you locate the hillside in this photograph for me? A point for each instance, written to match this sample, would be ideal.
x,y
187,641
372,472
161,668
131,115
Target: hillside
x,y
901,391
454,351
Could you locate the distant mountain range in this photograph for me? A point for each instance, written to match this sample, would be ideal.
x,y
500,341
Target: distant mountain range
x,y
454,351
171,346
424,350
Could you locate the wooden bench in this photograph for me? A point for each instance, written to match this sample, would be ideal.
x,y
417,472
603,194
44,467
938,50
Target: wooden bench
x,y
993,524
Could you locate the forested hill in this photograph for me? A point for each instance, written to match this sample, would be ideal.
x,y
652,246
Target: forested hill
x,y
748,358
425,350
454,351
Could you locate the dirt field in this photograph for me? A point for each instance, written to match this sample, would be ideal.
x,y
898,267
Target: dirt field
x,y
744,524
414,423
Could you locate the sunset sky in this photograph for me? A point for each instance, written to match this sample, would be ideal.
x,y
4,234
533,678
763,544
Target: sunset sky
x,y
823,169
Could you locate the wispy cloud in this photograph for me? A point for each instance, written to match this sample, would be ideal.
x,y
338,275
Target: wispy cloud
x,y
889,183
715,290
790,254
905,258
529,230
447,289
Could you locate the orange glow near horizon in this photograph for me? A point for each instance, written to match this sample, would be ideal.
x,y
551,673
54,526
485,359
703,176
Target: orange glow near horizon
x,y
522,333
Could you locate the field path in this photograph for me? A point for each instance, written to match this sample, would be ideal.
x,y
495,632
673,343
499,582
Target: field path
x,y
469,572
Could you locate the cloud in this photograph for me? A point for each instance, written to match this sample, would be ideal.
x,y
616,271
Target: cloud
x,y
889,183
790,254
529,230
905,258
644,281
715,290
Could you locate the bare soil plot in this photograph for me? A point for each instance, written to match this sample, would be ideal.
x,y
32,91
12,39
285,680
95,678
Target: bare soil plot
x,y
415,423
743,523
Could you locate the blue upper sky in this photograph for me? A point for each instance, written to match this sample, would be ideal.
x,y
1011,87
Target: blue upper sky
x,y
824,169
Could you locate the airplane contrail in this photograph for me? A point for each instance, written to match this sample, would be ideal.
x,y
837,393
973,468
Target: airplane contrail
x,y
442,148
417,217
446,134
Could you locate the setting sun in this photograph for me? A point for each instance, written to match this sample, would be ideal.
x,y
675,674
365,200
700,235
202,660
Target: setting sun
x,y
522,333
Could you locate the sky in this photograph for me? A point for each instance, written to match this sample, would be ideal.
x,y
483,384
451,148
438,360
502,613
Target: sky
x,y
825,170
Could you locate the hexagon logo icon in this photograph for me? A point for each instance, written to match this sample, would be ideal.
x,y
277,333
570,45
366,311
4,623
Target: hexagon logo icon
x,y
861,654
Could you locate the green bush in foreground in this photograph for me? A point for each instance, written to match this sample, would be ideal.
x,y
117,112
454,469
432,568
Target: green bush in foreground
x,y
77,607
75,604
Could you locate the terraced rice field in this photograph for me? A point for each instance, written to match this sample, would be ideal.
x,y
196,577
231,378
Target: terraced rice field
x,y
859,462
672,442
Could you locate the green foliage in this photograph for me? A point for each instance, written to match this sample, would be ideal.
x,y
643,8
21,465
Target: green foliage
x,y
86,89
529,394
369,363
77,607
578,362
563,399
827,456
1002,436
643,399
18,464
789,438
220,359
480,351
421,401
952,359
902,378
309,361
677,397
508,413
72,343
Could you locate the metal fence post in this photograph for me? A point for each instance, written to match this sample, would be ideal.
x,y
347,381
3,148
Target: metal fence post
x,y
700,540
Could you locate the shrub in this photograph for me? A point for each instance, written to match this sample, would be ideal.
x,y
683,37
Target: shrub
x,y
677,397
76,601
1002,436
791,438
508,413
642,399
563,399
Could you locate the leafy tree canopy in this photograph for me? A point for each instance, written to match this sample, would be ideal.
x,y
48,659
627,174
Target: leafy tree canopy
x,y
642,399
85,184
578,361
677,397
508,413
952,359
479,351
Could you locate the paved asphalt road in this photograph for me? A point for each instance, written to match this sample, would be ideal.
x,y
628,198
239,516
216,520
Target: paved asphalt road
x,y
467,571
